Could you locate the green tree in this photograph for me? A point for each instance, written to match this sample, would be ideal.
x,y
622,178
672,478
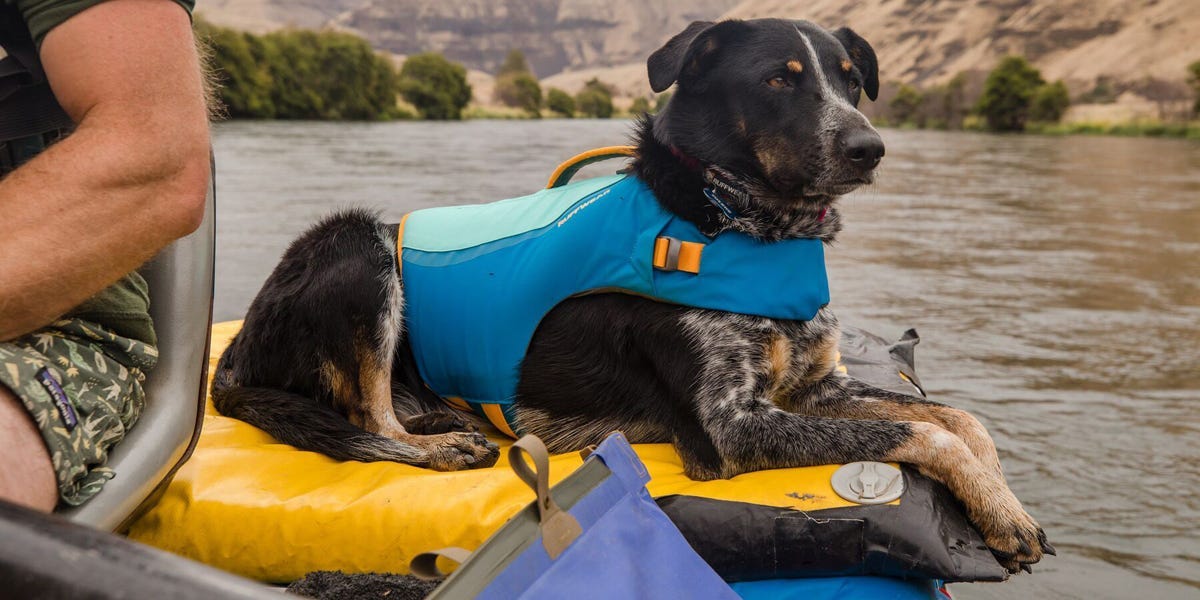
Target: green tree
x,y
291,62
594,100
1101,93
527,94
946,105
516,85
560,102
1008,94
354,82
297,74
1050,102
435,86
244,83
514,62
1194,81
906,105
640,106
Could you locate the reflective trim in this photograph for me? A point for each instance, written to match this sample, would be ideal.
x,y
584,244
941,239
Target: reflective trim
x,y
400,243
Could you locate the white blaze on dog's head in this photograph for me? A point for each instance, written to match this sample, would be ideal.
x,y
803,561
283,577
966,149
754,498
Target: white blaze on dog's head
x,y
836,107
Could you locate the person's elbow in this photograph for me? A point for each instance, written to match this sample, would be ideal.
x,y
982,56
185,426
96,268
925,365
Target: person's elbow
x,y
192,180
178,169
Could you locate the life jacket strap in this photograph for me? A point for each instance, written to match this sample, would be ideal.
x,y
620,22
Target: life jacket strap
x,y
456,403
495,414
671,254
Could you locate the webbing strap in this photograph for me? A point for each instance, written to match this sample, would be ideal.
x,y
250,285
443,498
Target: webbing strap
x,y
424,565
457,403
671,254
559,528
493,412
563,174
495,415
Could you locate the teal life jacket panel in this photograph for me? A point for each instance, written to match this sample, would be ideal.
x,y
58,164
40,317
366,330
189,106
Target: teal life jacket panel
x,y
479,279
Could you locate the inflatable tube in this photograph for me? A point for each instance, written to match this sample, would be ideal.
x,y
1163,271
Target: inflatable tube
x,y
247,504
45,556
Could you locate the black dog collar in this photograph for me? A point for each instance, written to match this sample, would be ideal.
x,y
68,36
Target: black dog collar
x,y
724,190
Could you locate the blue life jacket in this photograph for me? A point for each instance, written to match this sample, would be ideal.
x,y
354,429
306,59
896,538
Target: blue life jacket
x,y
479,279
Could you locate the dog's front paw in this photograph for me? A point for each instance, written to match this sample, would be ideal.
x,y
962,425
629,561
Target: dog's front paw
x,y
1015,538
433,423
458,451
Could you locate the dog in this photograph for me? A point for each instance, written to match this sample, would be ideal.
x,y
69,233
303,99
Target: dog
x,y
760,139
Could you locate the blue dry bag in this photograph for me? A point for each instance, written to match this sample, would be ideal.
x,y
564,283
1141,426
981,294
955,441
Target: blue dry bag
x,y
597,534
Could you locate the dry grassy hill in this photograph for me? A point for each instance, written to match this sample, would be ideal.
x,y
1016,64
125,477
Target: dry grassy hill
x,y
1077,41
1141,47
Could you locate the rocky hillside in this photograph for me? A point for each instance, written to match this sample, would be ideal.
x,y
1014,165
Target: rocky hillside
x,y
556,35
1137,45
260,16
1079,41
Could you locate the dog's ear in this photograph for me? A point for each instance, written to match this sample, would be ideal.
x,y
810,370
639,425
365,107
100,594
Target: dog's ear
x,y
688,52
863,57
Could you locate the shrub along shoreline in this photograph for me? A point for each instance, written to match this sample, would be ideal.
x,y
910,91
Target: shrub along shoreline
x,y
330,75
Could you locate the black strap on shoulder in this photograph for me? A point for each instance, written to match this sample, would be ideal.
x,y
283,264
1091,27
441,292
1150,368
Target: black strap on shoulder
x,y
30,116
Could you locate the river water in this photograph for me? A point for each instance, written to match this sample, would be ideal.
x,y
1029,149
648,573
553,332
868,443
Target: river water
x,y
1055,283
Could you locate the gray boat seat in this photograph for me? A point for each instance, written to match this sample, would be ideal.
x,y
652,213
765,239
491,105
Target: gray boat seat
x,y
180,278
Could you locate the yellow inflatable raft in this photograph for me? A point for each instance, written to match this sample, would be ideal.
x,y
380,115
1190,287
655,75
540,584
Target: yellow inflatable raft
x,y
250,505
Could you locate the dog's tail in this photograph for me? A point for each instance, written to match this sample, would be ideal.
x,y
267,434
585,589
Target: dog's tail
x,y
307,424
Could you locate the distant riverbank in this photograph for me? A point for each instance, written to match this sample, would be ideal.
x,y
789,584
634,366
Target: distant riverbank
x,y
1189,130
1142,128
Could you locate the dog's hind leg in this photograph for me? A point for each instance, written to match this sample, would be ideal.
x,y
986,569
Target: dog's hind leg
x,y
367,395
368,403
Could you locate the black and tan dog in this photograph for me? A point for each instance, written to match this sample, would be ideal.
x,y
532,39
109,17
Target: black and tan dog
x,y
768,109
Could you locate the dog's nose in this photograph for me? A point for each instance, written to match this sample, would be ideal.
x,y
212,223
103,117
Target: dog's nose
x,y
863,147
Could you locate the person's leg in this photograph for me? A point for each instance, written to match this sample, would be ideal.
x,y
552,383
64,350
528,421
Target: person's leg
x,y
26,473
80,386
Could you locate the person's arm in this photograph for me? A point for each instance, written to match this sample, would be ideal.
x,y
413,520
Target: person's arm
x,y
128,181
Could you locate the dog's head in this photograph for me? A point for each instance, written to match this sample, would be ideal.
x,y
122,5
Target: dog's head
x,y
773,100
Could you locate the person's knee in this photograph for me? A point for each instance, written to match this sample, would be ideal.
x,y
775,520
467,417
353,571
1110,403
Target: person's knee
x,y
26,472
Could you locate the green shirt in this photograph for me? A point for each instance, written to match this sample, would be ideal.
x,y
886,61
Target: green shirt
x,y
124,306
43,15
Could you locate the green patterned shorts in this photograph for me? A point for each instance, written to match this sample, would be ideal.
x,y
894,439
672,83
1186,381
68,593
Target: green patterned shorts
x,y
83,386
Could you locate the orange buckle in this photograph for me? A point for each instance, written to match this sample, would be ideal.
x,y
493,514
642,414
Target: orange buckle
x,y
671,254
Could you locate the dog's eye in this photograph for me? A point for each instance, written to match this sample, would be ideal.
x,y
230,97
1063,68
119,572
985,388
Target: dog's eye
x,y
778,82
